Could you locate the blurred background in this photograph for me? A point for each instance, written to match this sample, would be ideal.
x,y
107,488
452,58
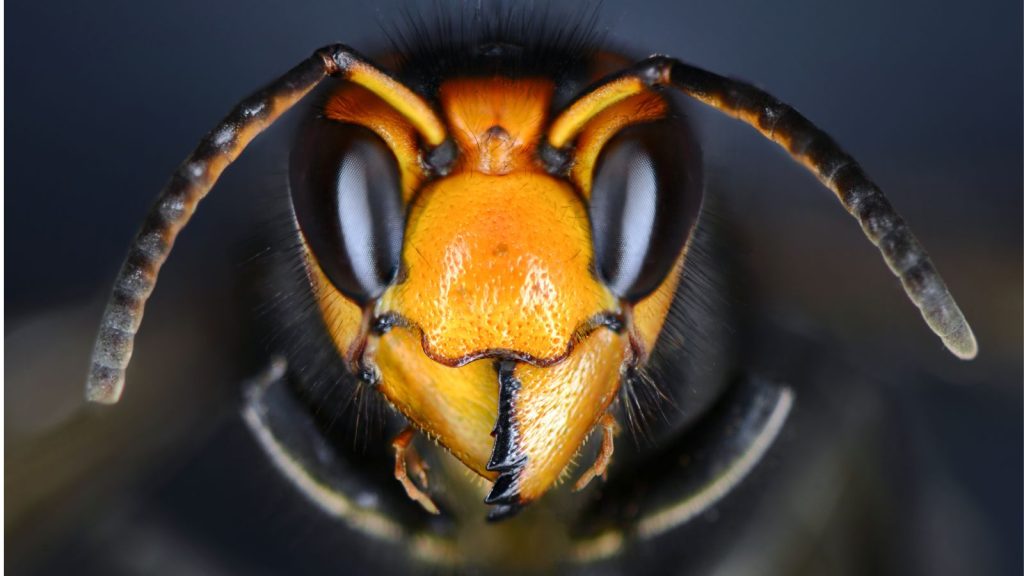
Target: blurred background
x,y
104,99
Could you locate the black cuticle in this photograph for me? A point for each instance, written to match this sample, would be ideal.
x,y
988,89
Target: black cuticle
x,y
614,322
556,161
384,323
369,375
439,161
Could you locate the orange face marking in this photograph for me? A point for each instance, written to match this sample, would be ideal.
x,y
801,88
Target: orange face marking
x,y
457,406
498,263
496,122
400,99
583,111
558,406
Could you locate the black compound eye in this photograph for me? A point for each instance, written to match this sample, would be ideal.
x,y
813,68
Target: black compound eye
x,y
345,187
644,201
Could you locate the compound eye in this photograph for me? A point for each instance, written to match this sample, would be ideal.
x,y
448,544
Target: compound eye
x,y
645,198
345,188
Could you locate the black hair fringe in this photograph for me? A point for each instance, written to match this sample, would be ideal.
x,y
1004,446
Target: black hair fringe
x,y
694,358
486,38
288,318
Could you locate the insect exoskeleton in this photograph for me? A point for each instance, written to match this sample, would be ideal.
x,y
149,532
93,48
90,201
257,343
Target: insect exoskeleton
x,y
495,235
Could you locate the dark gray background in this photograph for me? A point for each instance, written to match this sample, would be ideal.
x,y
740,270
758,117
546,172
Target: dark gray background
x,y
105,98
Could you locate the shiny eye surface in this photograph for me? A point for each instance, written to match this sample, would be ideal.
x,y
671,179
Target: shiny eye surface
x,y
646,194
345,188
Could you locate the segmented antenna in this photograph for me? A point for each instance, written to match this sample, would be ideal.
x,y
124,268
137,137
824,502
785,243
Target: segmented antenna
x,y
812,147
838,171
198,174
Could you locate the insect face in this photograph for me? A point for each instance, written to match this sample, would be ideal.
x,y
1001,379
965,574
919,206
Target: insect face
x,y
520,295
